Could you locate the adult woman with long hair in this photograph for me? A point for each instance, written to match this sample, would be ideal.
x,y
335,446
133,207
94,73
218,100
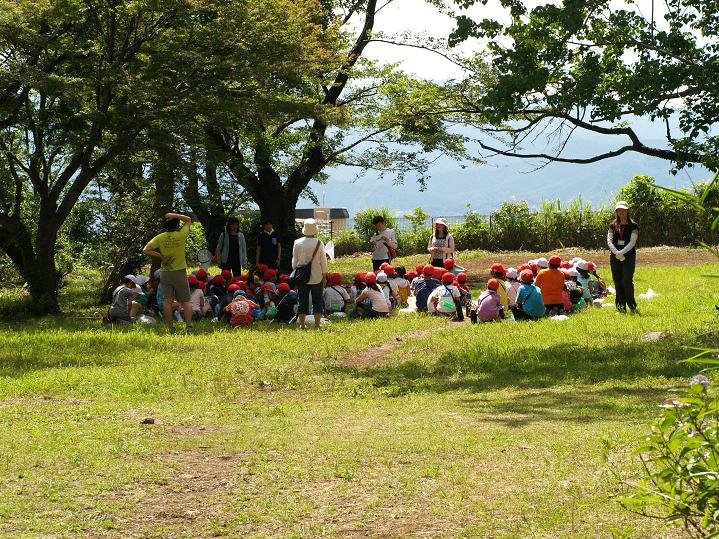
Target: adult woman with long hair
x,y
441,243
622,239
231,250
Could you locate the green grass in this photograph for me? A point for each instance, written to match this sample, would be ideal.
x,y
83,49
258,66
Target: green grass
x,y
498,430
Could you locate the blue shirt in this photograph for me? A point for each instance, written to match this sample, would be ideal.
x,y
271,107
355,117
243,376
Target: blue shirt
x,y
584,283
531,298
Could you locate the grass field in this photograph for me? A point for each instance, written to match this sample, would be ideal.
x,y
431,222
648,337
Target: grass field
x,y
409,427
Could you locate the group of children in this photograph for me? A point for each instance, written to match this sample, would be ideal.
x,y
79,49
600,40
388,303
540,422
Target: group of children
x,y
540,287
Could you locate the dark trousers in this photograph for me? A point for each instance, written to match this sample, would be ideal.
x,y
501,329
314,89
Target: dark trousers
x,y
519,314
623,275
234,266
377,263
304,292
438,262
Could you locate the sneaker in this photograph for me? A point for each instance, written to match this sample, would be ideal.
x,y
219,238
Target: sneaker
x,y
634,312
189,330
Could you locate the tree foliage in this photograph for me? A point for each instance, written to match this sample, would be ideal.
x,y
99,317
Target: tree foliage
x,y
594,65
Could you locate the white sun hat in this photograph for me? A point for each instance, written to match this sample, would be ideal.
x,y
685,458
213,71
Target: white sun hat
x,y
512,273
621,205
381,277
309,228
542,262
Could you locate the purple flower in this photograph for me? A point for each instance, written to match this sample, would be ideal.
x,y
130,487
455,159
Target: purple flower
x,y
701,380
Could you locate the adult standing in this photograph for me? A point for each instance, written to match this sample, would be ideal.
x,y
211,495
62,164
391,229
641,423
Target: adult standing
x,y
441,243
269,246
384,243
169,248
308,249
622,240
231,250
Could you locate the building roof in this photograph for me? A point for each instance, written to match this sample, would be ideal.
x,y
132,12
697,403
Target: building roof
x,y
309,213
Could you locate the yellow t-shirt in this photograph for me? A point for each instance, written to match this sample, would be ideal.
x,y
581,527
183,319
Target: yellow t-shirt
x,y
502,291
172,246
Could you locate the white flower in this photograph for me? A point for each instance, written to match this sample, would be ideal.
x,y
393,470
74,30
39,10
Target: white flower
x,y
700,379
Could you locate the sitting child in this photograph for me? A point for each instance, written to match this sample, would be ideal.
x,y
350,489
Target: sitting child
x,y
286,303
378,304
383,284
498,273
599,286
267,309
585,281
551,282
423,287
530,305
240,310
400,284
513,285
197,298
450,265
122,296
335,296
489,304
445,299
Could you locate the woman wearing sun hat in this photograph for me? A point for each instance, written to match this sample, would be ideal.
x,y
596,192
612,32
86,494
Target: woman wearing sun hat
x,y
622,240
441,243
309,249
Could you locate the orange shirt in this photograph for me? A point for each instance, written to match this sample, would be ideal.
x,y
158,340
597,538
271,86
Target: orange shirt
x,y
551,283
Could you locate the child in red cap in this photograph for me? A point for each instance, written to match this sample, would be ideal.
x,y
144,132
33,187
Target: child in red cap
x,y
489,306
285,301
336,298
445,299
424,287
399,282
372,294
240,311
498,273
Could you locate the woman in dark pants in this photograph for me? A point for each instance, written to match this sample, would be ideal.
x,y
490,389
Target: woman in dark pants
x,y
622,240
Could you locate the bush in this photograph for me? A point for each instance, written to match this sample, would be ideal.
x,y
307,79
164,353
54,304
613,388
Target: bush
x,y
415,242
363,221
681,462
347,242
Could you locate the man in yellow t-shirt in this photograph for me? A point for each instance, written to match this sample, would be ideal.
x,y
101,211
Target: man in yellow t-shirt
x,y
169,249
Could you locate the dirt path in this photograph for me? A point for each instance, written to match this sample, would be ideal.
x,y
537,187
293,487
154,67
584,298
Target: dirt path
x,y
378,354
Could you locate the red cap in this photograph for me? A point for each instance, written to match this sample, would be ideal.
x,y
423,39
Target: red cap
x,y
428,269
245,278
524,267
201,274
267,287
555,260
526,276
359,276
389,270
447,278
237,279
233,288
226,274
242,285
202,285
565,264
284,287
419,269
218,280
370,278
285,278
493,284
269,274
261,268
438,272
334,279
449,263
383,266
497,268
411,275
591,266
533,267
462,277
192,280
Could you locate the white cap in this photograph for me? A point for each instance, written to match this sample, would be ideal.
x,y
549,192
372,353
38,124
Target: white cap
x,y
309,228
131,278
582,265
572,272
381,277
512,273
621,205
574,260
542,262
141,280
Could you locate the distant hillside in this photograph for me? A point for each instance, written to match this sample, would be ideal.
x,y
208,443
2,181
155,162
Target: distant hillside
x,y
485,187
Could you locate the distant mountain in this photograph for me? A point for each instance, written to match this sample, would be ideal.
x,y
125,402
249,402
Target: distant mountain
x,y
485,187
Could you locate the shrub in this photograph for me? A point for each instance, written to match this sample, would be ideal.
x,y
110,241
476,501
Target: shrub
x,y
681,462
363,221
347,242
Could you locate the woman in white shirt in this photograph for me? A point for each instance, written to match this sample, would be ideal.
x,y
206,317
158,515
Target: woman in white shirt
x,y
441,243
305,250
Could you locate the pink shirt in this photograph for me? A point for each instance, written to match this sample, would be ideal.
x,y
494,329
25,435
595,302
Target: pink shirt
x,y
488,306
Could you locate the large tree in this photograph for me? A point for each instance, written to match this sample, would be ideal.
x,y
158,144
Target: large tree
x,y
353,112
595,65
81,82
